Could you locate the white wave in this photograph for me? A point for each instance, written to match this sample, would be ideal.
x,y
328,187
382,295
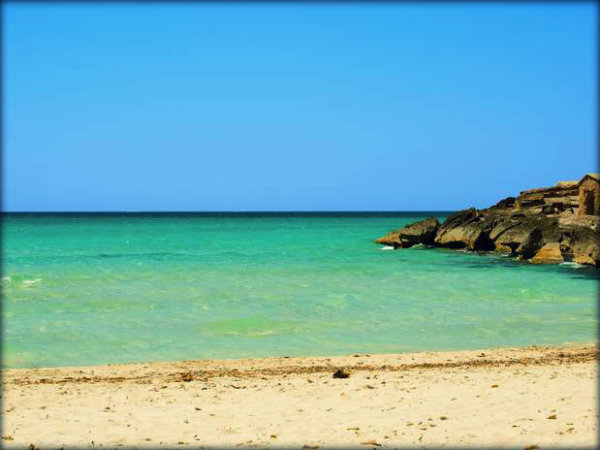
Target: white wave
x,y
572,264
387,247
29,283
422,246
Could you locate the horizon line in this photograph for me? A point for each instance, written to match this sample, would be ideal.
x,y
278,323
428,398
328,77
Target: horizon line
x,y
230,211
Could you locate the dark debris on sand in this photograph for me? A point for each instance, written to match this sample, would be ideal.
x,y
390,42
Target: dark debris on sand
x,y
341,373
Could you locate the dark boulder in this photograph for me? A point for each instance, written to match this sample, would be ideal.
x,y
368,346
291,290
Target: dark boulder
x,y
422,232
504,236
580,244
525,235
392,239
551,231
458,218
531,244
465,229
585,246
506,203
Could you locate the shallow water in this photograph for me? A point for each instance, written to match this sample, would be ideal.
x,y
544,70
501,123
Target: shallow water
x,y
89,289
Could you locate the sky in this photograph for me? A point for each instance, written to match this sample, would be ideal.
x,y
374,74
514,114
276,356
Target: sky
x,y
293,106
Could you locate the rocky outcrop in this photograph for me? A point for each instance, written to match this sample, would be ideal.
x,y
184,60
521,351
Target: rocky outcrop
x,y
422,232
548,254
540,225
580,241
561,199
465,229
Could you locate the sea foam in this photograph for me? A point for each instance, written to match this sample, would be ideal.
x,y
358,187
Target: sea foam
x,y
30,283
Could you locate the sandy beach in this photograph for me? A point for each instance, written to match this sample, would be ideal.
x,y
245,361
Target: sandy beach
x,y
511,398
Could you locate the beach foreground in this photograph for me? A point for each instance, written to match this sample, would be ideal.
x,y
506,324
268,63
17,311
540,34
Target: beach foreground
x,y
511,398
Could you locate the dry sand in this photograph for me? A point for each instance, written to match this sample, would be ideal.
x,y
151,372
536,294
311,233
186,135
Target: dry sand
x,y
517,398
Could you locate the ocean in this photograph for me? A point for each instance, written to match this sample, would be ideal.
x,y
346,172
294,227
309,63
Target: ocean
x,y
83,289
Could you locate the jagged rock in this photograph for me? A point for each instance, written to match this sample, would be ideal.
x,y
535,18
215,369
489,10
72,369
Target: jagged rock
x,y
524,235
501,224
583,247
548,254
510,236
465,229
422,232
392,239
452,233
551,201
551,231
506,203
471,236
544,226
459,218
531,244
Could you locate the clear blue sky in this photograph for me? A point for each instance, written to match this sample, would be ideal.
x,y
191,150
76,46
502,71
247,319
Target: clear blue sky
x,y
294,106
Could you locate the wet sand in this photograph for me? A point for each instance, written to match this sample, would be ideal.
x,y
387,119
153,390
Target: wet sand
x,y
510,398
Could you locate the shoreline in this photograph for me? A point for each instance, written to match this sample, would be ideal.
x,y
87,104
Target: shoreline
x,y
492,397
287,365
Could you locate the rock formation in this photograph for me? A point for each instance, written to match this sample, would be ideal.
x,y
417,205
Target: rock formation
x,y
422,232
543,226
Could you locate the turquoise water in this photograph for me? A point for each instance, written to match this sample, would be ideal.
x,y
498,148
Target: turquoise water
x,y
81,290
